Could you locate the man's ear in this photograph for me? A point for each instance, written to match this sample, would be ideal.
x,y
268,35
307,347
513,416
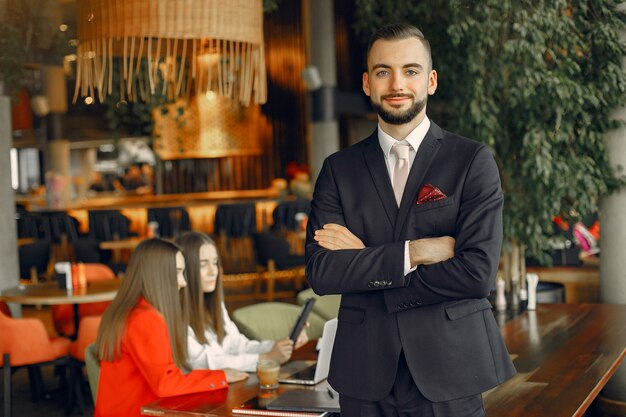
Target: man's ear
x,y
366,84
432,82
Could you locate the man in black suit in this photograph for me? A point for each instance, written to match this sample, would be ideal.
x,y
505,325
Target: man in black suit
x,y
407,226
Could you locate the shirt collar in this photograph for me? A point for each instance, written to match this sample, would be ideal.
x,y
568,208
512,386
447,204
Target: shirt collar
x,y
415,138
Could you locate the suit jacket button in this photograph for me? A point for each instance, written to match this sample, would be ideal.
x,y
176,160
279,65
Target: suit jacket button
x,y
389,283
400,306
413,303
376,284
419,301
370,284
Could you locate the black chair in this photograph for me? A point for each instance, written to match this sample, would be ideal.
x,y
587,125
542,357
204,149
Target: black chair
x,y
270,246
285,213
234,226
172,221
62,231
284,274
34,259
235,220
105,225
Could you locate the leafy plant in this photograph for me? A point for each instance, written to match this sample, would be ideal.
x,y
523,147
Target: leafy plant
x,y
537,81
28,35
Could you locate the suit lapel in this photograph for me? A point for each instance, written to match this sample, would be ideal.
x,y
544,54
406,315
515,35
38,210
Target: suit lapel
x,y
425,154
375,161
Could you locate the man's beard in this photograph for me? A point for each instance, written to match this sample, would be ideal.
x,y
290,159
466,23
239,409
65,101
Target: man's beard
x,y
399,118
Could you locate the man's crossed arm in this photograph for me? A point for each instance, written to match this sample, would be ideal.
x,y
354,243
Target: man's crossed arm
x,y
421,251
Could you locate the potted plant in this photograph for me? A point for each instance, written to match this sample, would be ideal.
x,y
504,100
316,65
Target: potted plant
x,y
537,82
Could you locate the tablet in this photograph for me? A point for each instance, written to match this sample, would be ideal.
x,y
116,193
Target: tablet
x,y
302,317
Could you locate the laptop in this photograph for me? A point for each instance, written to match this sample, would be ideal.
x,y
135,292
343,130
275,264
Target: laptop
x,y
312,372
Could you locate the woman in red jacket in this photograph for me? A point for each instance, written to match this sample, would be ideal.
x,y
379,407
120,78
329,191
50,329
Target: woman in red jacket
x,y
142,337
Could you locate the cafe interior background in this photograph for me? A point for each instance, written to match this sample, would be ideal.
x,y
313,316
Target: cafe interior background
x,y
542,83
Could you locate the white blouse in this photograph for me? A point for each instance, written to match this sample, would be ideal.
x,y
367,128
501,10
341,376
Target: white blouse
x,y
236,350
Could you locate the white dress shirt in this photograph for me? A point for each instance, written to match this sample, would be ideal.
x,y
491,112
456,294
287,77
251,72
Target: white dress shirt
x,y
414,140
236,351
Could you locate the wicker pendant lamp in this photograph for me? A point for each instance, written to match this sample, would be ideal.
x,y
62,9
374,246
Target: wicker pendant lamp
x,y
175,48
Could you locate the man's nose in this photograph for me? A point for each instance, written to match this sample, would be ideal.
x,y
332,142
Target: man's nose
x,y
397,82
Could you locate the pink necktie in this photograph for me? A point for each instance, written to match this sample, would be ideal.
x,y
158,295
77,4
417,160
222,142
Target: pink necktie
x,y
400,170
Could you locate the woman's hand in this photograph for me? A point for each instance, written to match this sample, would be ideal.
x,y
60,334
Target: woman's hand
x,y
302,337
281,352
233,375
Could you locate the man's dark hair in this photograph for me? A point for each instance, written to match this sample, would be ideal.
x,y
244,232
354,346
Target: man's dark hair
x,y
398,31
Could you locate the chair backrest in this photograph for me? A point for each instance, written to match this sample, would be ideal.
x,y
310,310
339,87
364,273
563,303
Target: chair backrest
x,y
235,220
326,306
4,309
27,341
172,220
37,255
87,334
270,246
284,215
98,272
60,224
92,363
108,224
273,321
63,314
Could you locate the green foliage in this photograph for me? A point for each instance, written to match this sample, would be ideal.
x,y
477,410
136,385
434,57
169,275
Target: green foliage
x,y
28,36
537,81
270,5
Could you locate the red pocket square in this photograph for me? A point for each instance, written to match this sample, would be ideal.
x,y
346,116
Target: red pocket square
x,y
429,193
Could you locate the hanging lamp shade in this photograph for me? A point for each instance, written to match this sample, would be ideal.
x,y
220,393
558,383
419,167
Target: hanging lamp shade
x,y
172,48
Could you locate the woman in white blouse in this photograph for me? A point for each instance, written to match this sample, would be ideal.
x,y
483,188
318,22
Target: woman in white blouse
x,y
213,340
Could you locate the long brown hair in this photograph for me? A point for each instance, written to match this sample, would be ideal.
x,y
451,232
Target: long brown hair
x,y
151,274
205,309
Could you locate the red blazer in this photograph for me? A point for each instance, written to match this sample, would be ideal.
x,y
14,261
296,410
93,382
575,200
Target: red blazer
x,y
146,370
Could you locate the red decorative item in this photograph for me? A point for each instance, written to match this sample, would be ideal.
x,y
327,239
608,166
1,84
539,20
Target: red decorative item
x,y
429,193
21,116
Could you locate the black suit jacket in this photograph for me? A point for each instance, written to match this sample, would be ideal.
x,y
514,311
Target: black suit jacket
x,y
438,314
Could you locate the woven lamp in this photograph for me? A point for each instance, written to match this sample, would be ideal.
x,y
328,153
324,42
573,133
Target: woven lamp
x,y
174,48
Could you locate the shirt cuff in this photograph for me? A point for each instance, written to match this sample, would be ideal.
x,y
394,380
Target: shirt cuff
x,y
407,260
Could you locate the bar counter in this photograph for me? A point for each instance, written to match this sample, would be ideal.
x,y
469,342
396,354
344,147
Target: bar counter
x,y
201,206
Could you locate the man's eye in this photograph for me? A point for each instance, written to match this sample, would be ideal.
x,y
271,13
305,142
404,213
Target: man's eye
x,y
411,73
382,73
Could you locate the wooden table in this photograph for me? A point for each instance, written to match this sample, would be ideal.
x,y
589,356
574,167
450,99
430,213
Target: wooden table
x,y
117,246
564,355
50,294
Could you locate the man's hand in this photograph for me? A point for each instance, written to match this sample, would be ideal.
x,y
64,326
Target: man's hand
x,y
431,250
232,375
334,236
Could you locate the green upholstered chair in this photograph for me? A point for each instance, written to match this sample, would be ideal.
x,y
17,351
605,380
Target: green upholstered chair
x,y
326,306
273,321
92,363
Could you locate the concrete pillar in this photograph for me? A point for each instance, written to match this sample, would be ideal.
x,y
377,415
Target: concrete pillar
x,y
9,273
324,125
613,235
58,176
88,159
